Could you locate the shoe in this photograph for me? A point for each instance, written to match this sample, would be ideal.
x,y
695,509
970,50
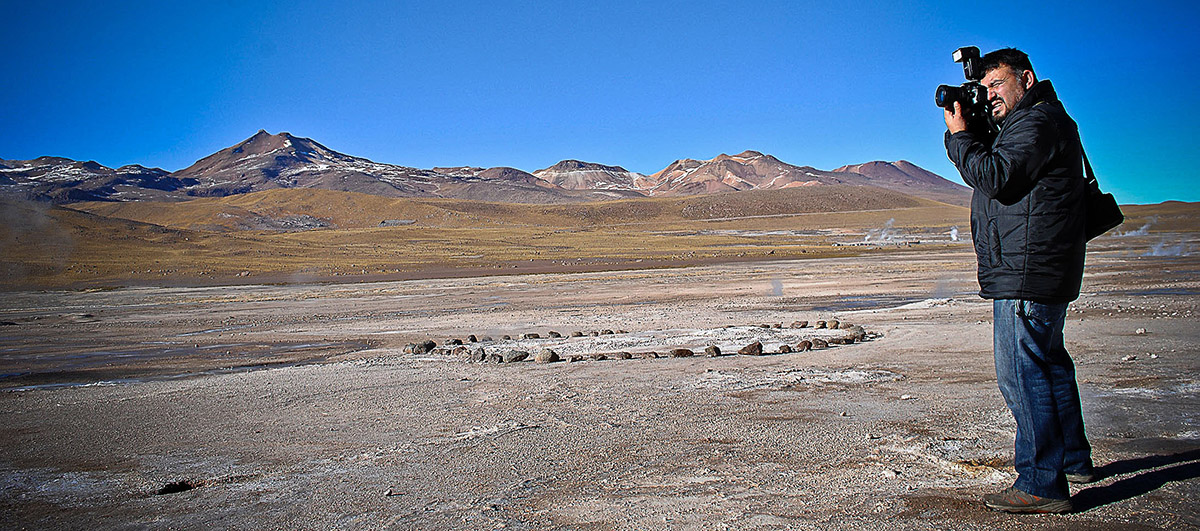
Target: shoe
x,y
1013,500
1081,478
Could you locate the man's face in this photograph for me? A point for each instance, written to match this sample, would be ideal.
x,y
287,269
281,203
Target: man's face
x,y
1005,87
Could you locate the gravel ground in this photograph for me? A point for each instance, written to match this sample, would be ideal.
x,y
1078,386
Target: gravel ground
x,y
297,407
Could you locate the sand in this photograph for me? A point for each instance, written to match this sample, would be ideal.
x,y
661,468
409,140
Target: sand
x,y
294,406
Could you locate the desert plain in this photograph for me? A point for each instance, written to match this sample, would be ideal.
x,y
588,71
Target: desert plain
x,y
223,388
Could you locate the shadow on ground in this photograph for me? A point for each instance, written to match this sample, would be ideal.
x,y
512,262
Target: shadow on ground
x,y
1162,469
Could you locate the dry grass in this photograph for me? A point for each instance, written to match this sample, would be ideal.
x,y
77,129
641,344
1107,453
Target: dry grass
x,y
196,242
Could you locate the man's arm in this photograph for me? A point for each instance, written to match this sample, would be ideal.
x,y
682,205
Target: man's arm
x,y
1008,169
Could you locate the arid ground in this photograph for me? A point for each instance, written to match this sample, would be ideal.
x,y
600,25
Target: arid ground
x,y
295,406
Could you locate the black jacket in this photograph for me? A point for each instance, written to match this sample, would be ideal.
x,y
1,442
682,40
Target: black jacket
x,y
1027,210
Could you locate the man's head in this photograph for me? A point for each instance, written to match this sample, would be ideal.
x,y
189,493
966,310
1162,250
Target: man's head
x,y
1007,76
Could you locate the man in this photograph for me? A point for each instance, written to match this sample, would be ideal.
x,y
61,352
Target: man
x,y
1027,221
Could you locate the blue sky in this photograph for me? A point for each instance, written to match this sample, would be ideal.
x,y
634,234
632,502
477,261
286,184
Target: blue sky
x,y
632,83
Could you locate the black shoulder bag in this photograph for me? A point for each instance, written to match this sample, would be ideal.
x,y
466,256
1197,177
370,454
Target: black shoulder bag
x,y
1102,211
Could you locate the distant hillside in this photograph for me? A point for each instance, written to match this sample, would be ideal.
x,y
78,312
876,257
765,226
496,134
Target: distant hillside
x,y
579,175
904,176
63,180
307,209
267,161
749,170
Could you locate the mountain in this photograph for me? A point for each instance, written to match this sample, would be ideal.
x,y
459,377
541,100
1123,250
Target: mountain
x,y
579,175
265,161
283,161
62,180
748,170
751,170
510,185
904,176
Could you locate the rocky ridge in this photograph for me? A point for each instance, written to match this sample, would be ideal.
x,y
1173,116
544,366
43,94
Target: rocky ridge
x,y
269,161
579,175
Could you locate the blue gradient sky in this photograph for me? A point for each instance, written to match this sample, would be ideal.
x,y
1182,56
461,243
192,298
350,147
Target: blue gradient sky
x,y
632,83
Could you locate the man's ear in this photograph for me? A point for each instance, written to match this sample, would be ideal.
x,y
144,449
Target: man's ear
x,y
1028,80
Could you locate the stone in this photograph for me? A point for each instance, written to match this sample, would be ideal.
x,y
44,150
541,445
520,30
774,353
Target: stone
x,y
1130,357
485,339
494,358
478,355
764,325
575,358
424,347
546,356
647,355
576,334
1140,331
785,349
753,349
506,337
554,334
832,325
514,356
682,353
848,340
460,351
530,335
819,343
845,326
712,351
410,348
595,333
598,357
622,332
799,324
777,325
606,332
623,355
820,324
454,342
472,339
804,345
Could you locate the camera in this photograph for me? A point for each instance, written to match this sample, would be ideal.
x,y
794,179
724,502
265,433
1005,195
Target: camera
x,y
972,95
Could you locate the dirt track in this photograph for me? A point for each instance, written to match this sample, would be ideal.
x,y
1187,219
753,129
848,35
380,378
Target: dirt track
x,y
906,431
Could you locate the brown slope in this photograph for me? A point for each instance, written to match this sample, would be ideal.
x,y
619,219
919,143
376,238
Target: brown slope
x,y
61,180
579,175
266,161
273,209
42,245
1168,216
906,177
749,170
345,210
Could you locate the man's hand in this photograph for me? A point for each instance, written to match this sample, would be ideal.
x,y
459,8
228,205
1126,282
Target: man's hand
x,y
955,121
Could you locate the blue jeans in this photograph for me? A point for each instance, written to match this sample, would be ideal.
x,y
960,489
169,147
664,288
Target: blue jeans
x,y
1037,378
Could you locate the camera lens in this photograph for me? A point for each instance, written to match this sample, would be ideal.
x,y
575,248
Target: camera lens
x,y
945,96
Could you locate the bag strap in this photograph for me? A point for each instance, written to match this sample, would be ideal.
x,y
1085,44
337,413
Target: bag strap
x,y
1091,177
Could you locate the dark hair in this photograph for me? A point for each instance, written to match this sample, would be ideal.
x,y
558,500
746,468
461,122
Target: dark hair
x,y
1014,58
